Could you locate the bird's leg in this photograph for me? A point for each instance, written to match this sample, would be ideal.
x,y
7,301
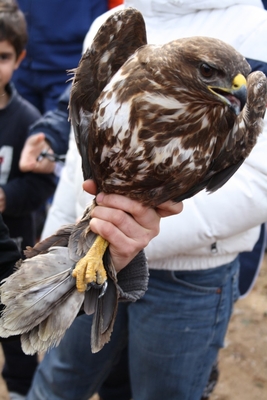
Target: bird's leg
x,y
90,269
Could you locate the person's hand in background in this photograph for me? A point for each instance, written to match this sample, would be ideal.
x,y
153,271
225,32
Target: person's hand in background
x,y
30,159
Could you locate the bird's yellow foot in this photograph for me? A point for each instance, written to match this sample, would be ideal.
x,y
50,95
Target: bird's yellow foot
x,y
90,270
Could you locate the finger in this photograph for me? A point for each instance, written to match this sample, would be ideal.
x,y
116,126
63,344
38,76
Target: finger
x,y
90,186
169,208
37,138
122,248
32,148
135,208
126,223
143,215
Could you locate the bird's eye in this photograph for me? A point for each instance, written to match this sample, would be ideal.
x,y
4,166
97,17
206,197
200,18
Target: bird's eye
x,y
206,70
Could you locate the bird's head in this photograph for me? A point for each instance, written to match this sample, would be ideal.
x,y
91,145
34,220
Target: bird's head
x,y
216,70
235,96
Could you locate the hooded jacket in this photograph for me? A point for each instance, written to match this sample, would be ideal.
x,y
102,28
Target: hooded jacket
x,y
212,229
56,30
24,192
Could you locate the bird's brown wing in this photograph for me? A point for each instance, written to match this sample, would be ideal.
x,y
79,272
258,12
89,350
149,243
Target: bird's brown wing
x,y
117,39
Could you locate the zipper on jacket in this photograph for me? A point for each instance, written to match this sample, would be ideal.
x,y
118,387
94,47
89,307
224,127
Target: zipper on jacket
x,y
213,248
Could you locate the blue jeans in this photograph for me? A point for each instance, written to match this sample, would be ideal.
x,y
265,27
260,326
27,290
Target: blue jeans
x,y
175,333
71,372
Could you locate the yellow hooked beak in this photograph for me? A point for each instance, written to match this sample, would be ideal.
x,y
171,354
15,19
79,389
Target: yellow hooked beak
x,y
239,81
236,96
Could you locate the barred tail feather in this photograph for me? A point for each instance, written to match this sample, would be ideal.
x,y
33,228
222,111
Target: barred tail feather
x,y
50,331
40,288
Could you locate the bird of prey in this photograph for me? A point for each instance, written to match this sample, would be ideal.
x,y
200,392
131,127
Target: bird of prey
x,y
151,122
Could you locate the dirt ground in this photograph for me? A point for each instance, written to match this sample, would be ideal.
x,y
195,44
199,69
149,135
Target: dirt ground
x,y
243,361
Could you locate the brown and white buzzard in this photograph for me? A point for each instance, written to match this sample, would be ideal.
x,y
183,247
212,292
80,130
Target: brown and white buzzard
x,y
152,122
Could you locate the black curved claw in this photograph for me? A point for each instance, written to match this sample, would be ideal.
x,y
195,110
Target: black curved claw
x,y
94,285
103,290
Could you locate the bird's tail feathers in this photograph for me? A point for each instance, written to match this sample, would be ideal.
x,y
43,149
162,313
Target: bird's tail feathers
x,y
104,318
37,293
82,238
105,310
51,330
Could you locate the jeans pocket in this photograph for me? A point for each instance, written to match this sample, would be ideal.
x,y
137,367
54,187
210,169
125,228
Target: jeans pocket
x,y
198,281
198,299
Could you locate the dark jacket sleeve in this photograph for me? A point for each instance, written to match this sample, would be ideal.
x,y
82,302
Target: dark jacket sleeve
x,y
55,124
133,279
26,193
257,65
9,253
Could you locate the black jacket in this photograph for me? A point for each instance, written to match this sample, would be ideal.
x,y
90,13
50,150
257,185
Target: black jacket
x,y
9,253
25,192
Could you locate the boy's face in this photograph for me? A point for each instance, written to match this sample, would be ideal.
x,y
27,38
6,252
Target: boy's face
x,y
8,63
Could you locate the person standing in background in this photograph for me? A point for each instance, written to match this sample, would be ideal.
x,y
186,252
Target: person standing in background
x,y
56,30
20,193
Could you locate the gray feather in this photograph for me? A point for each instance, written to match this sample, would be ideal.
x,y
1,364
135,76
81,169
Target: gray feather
x,y
82,238
105,309
51,330
90,300
36,292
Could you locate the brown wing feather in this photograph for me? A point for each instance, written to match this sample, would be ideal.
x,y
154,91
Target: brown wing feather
x,y
117,39
60,238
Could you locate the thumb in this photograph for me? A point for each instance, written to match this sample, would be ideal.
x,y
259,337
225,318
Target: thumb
x,y
89,186
32,148
36,138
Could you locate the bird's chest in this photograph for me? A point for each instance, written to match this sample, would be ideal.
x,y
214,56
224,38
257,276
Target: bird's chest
x,y
148,142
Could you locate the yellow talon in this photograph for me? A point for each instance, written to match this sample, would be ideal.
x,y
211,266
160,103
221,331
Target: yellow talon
x,y
90,268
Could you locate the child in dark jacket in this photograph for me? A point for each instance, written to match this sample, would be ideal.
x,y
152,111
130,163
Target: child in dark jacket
x,y
20,193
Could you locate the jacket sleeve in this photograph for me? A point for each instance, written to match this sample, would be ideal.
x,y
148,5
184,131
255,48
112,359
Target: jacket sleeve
x,y
55,124
69,192
26,193
257,65
238,206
